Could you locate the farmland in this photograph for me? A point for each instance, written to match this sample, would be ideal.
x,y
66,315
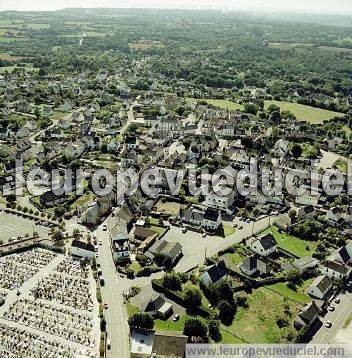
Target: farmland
x,y
305,113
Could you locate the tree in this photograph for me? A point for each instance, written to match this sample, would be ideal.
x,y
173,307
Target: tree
x,y
275,117
273,108
225,291
172,281
251,108
247,142
226,312
214,330
296,150
192,296
195,328
59,211
141,320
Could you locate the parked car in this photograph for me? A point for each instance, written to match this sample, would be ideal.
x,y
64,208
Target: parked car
x,y
184,230
331,308
176,317
100,242
328,324
108,344
106,306
240,227
337,300
105,227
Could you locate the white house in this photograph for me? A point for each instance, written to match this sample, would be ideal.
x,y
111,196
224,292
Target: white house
x,y
211,219
249,265
214,274
344,254
219,202
82,249
335,270
320,287
264,245
120,247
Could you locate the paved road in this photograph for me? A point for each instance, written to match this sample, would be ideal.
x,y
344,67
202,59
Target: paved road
x,y
337,317
130,119
116,315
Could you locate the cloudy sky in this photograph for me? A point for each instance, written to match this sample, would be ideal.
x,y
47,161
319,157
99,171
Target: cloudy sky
x,y
328,6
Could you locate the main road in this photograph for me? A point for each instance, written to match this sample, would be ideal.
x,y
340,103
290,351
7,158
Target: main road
x,y
115,314
338,317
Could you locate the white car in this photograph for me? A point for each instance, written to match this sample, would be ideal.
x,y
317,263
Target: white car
x,y
108,344
328,324
100,242
337,300
331,308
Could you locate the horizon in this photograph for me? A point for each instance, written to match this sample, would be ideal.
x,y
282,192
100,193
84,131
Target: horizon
x,y
341,7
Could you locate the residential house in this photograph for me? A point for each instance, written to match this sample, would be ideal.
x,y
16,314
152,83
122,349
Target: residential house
x,y
169,345
220,202
208,218
170,250
335,270
131,142
211,219
49,199
214,274
304,264
306,212
333,217
120,247
82,249
249,265
307,316
320,287
344,254
264,245
157,306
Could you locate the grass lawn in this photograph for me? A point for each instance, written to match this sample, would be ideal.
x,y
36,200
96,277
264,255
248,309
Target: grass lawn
x,y
222,103
298,296
348,321
228,230
131,309
135,266
160,230
257,323
235,258
305,113
291,243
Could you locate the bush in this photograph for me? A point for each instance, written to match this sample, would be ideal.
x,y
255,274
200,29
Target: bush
x,y
195,328
141,320
192,296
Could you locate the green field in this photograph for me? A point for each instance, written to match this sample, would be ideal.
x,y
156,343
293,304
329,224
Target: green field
x,y
291,243
12,68
298,296
305,113
225,104
257,323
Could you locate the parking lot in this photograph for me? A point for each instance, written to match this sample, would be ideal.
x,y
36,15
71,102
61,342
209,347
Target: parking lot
x,y
14,226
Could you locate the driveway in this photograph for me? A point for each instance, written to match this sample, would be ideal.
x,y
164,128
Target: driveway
x,y
195,247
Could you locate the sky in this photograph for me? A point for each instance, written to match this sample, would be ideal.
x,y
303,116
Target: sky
x,y
324,6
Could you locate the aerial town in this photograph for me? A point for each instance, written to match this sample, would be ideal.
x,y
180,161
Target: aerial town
x,y
141,272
